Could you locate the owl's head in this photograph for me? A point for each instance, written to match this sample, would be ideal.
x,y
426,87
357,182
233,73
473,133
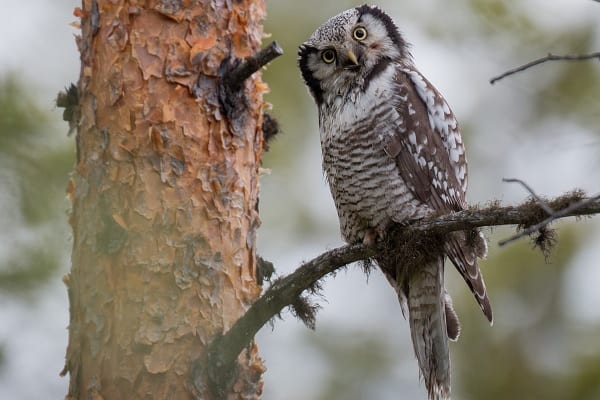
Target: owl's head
x,y
350,49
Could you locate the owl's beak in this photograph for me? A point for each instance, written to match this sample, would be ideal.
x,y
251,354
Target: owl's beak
x,y
350,61
352,57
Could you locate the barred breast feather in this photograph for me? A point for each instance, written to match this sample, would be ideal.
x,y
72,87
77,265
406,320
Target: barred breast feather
x,y
364,181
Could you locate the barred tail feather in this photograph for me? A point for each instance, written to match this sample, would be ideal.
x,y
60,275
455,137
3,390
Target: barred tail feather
x,y
452,322
463,249
427,317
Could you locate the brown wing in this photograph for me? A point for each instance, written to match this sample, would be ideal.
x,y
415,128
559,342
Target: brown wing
x,y
430,156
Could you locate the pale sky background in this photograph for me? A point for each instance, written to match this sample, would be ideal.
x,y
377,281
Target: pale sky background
x,y
560,155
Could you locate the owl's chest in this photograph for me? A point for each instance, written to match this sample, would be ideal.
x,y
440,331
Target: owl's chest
x,y
361,174
352,129
346,113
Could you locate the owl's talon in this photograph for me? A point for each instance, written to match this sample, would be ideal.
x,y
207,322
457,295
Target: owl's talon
x,y
370,238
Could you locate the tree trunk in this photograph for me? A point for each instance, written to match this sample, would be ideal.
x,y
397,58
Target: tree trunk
x,y
164,197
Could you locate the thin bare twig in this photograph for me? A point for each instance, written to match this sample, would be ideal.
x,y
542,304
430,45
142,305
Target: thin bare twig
x,y
549,57
555,215
537,198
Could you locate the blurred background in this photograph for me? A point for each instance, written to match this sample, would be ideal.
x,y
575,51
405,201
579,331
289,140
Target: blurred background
x,y
541,126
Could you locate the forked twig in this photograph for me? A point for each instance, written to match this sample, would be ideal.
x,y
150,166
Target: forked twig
x,y
537,198
555,215
549,57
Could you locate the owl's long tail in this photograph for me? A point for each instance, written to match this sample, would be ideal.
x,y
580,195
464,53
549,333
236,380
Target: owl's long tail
x,y
432,321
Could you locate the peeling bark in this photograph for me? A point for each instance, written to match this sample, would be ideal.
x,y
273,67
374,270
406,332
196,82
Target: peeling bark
x,y
164,197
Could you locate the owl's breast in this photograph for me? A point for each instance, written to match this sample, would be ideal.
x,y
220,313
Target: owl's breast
x,y
366,185
352,105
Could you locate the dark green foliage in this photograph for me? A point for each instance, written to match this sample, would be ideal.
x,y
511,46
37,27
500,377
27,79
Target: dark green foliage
x,y
26,270
529,352
29,154
34,163
358,363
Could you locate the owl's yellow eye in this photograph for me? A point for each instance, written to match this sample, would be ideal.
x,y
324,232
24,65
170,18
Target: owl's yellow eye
x,y
328,56
359,33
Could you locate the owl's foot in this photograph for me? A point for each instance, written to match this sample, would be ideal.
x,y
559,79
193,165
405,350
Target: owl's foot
x,y
370,237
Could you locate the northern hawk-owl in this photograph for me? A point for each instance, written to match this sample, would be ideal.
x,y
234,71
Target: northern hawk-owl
x,y
393,152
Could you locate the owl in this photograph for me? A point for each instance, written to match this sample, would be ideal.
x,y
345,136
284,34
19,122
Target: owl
x,y
392,153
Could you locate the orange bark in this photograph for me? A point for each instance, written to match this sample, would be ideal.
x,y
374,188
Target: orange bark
x,y
164,197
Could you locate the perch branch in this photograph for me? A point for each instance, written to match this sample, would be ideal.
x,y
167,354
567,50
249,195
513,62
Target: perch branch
x,y
549,57
223,351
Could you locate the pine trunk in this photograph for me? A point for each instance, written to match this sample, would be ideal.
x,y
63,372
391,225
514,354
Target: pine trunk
x,y
164,197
